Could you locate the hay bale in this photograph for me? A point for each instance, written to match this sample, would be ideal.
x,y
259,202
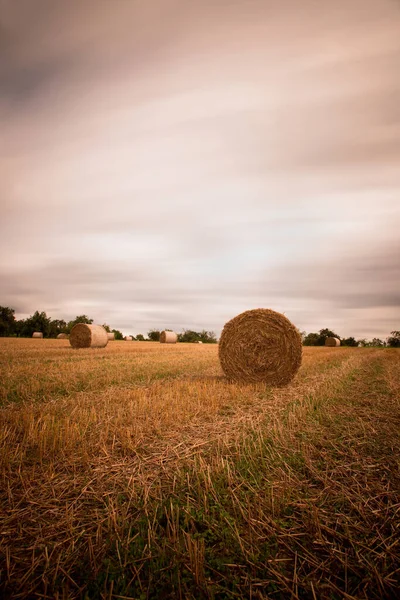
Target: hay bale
x,y
128,338
332,342
260,345
37,334
88,336
62,336
168,337
199,342
111,336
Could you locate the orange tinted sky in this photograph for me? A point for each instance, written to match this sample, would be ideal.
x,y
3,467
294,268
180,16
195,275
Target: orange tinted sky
x,y
170,164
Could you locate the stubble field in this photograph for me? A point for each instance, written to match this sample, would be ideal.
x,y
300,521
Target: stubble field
x,y
138,471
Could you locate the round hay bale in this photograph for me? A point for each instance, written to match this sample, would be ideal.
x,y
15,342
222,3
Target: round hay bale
x,y
332,342
37,334
62,336
168,337
128,338
88,336
111,336
260,345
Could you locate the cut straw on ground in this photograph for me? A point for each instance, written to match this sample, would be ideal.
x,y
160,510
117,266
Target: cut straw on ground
x,y
184,485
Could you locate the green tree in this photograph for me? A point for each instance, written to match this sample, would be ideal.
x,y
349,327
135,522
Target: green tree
x,y
106,327
7,321
325,333
189,336
154,335
57,326
376,342
19,327
140,337
117,334
36,322
394,339
208,337
311,339
79,319
350,341
318,339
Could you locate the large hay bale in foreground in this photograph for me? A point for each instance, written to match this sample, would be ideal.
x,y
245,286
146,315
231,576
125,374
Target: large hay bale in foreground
x,y
62,336
331,341
128,338
37,334
168,337
260,345
111,336
88,336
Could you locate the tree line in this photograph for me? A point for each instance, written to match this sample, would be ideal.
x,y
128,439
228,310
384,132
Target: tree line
x,y
39,321
206,337
318,339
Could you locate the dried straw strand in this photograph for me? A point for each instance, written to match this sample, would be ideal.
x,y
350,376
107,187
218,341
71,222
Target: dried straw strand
x,y
260,345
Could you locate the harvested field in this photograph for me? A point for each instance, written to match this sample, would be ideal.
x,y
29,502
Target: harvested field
x,y
138,471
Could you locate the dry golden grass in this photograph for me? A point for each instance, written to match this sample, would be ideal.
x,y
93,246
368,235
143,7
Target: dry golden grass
x,y
138,471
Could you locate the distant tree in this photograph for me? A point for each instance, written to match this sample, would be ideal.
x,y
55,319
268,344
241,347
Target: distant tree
x,y
208,337
140,337
318,339
311,339
117,334
376,342
19,327
189,336
37,322
79,319
57,326
350,341
7,321
106,327
363,343
394,340
154,335
325,333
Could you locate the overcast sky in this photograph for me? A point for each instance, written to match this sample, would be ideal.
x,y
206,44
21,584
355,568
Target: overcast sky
x,y
171,163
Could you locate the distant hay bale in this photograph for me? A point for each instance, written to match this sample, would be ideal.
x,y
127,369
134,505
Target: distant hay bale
x,y
128,338
111,336
331,341
37,334
199,342
62,336
260,345
168,337
88,336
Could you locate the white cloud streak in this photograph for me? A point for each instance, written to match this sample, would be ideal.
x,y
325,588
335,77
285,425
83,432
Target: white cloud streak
x,y
172,165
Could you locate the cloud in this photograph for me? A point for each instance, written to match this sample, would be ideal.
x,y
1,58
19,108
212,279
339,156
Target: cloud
x,y
173,163
145,295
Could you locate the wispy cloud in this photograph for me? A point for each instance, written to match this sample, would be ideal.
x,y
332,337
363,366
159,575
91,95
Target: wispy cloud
x,y
173,164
